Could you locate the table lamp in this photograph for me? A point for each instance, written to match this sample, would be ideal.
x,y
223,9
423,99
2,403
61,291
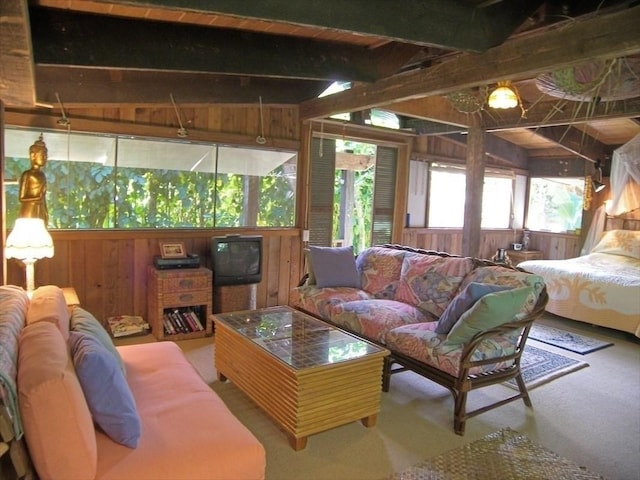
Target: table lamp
x,y
29,241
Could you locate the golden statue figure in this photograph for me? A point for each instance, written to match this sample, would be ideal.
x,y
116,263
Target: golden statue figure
x,y
33,184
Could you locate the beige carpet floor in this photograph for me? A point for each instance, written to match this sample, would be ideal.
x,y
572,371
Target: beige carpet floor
x,y
590,417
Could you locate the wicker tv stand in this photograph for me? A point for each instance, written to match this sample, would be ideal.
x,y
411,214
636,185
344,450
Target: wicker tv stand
x,y
304,373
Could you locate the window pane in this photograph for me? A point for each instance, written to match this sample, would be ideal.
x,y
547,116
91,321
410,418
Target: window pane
x,y
496,202
555,204
447,198
99,181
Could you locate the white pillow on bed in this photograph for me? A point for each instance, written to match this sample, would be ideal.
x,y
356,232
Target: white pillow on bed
x,y
619,242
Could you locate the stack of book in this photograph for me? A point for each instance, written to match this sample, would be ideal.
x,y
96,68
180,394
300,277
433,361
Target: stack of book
x,y
127,325
181,321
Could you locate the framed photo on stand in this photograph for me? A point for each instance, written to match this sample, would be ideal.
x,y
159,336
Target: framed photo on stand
x,y
173,250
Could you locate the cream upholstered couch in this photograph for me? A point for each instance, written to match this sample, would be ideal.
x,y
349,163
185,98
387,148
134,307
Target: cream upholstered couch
x,y
89,410
459,321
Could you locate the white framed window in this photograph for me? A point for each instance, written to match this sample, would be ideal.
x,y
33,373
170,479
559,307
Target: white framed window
x,y
555,204
446,197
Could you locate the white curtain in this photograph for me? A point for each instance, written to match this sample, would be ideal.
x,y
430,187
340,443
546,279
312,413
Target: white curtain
x,y
625,178
625,190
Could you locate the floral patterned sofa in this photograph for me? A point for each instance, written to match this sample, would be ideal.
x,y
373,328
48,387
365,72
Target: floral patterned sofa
x,y
459,321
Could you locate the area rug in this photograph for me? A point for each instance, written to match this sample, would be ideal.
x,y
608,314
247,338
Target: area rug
x,y
503,455
540,366
573,342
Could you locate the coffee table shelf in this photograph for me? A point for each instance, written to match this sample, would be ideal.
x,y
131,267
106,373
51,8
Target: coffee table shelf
x,y
306,374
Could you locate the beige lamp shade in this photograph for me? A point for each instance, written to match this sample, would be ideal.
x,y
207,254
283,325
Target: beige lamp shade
x,y
29,241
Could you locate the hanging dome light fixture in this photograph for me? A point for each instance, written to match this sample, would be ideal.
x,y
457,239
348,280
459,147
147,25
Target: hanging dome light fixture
x,y
503,96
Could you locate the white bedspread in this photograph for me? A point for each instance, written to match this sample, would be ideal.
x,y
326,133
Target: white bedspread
x,y
599,288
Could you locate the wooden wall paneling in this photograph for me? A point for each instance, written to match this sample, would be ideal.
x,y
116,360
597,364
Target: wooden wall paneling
x,y
214,120
273,271
284,276
111,304
143,252
92,276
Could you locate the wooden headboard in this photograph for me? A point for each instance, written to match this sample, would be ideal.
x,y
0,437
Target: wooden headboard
x,y
626,221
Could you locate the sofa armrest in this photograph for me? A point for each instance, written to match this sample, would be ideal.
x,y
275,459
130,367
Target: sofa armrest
x,y
519,328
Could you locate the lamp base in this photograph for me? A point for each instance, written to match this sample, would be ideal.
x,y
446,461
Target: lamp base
x,y
29,262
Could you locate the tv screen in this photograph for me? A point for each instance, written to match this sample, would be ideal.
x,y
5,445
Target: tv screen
x,y
236,259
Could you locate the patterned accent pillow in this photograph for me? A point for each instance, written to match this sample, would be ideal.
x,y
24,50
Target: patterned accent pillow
x,y
430,282
380,271
619,242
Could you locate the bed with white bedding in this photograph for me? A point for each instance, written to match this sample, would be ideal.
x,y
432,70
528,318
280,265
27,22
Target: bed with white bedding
x,y
601,288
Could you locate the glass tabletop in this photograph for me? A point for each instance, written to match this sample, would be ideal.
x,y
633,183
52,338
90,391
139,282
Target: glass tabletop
x,y
298,339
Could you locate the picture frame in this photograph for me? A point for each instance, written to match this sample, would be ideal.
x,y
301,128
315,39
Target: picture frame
x,y
173,250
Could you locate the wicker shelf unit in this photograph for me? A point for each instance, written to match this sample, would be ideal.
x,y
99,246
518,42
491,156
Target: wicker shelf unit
x,y
180,291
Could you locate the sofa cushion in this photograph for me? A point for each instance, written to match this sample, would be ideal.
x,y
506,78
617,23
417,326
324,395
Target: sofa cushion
x,y
334,267
420,342
57,422
380,269
430,282
85,322
374,318
109,398
48,304
463,302
188,431
320,302
490,311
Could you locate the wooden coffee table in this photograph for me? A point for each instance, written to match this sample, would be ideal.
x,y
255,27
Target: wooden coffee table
x,y
306,374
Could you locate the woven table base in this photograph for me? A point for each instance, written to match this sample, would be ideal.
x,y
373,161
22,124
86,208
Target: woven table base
x,y
504,455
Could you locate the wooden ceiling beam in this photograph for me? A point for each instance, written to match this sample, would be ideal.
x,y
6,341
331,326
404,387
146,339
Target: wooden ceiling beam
x,y
575,141
17,82
449,24
80,87
606,36
63,37
562,112
497,147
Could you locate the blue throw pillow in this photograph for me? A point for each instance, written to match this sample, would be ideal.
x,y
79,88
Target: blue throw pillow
x,y
463,302
85,322
334,267
105,388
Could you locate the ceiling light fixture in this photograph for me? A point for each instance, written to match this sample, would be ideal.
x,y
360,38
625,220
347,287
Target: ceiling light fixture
x,y
182,132
504,96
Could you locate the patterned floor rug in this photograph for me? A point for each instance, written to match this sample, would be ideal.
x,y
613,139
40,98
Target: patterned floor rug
x,y
504,455
566,340
540,366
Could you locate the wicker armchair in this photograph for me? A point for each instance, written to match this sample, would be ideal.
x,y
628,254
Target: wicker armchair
x,y
464,382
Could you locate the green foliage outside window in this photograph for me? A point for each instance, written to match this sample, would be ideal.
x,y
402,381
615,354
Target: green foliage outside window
x,y
90,195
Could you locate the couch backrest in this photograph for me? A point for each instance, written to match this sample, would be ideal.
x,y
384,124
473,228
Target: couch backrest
x,y
430,281
14,303
379,269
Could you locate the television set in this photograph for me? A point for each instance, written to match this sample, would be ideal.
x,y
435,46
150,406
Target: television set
x,y
236,259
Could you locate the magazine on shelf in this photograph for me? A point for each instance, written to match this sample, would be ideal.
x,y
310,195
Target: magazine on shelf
x,y
126,325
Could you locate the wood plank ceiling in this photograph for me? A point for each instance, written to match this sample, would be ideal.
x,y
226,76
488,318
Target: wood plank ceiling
x,y
424,60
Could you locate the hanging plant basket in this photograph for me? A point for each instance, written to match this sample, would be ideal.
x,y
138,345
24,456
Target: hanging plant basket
x,y
468,100
602,80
